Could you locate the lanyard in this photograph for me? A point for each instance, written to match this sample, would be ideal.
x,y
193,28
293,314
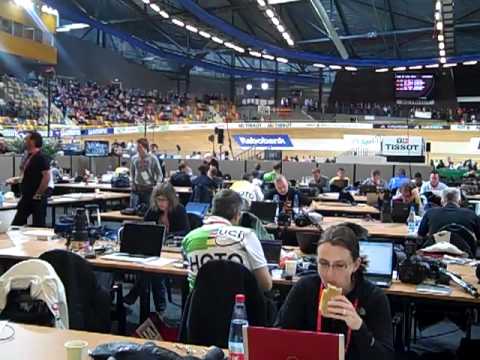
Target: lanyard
x,y
27,162
319,319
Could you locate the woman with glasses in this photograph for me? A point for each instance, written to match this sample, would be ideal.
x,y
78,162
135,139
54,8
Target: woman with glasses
x,y
361,313
166,210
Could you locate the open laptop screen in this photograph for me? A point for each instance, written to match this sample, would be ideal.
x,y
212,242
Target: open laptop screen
x,y
142,239
379,255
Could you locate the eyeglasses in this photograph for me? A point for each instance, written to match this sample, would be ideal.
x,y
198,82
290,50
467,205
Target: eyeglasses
x,y
161,199
339,267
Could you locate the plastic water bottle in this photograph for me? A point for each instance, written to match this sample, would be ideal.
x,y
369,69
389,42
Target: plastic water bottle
x,y
235,338
296,204
276,200
411,222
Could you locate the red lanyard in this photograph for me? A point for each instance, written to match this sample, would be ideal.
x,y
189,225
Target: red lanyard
x,y
319,319
27,162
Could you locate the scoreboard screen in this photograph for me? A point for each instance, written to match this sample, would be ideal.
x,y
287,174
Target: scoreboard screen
x,y
414,86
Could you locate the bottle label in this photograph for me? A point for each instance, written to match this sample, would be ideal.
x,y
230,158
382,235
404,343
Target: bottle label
x,y
237,356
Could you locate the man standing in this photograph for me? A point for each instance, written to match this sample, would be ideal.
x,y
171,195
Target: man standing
x,y
146,174
34,180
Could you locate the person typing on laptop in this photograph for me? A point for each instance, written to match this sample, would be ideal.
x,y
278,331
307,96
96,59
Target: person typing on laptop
x,y
164,210
361,312
221,239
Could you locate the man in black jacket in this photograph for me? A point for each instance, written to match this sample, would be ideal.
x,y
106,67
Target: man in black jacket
x,y
286,194
181,178
451,213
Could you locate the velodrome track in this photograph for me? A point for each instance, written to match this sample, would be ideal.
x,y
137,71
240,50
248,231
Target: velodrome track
x,y
445,143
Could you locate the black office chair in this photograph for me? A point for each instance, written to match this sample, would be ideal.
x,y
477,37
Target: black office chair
x,y
194,220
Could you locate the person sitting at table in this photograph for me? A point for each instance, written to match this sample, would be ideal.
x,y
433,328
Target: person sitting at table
x,y
361,313
408,194
220,238
418,181
375,179
248,189
450,213
434,185
55,172
319,182
396,182
122,169
257,172
340,181
286,194
166,210
215,165
181,177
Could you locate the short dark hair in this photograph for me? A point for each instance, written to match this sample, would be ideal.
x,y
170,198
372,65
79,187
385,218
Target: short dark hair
x,y
203,169
182,166
341,169
144,143
402,172
277,166
258,166
36,137
417,175
407,186
227,204
376,172
434,172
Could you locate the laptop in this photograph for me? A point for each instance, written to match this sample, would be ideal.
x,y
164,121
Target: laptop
x,y
338,185
264,210
400,212
272,250
379,254
366,189
139,242
268,343
197,208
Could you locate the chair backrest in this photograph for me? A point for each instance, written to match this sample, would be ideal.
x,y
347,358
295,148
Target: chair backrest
x,y
84,296
462,238
207,316
201,194
194,220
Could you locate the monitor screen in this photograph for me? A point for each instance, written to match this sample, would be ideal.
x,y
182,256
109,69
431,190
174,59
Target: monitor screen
x,y
97,148
414,86
379,256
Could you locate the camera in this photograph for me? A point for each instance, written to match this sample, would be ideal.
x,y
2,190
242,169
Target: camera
x,y
416,269
284,219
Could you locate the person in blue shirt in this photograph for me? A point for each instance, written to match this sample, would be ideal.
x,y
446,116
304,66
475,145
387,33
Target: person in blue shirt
x,y
399,180
434,185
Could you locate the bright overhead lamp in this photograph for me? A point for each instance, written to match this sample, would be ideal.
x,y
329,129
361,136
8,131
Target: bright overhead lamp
x,y
239,49
432,66
155,7
178,22
438,15
351,68
321,66
441,45
443,60
282,60
264,86
281,28
255,53
335,67
249,87
449,65
205,34
438,5
399,68
26,4
415,67
229,45
270,13
286,35
473,62
442,53
261,2
77,26
290,42
441,37
268,57
217,40
439,26
191,28
164,14
146,2
275,21
382,70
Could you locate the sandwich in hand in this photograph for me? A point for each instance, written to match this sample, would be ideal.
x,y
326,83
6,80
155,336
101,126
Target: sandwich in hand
x,y
328,294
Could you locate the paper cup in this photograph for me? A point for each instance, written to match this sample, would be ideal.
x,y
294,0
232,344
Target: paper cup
x,y
290,267
76,350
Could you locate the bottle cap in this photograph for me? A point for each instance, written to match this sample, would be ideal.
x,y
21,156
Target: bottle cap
x,y
240,298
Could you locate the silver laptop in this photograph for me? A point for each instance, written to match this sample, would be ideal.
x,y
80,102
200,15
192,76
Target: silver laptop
x,y
379,254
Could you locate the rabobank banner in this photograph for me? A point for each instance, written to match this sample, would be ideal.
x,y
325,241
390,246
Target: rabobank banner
x,y
264,141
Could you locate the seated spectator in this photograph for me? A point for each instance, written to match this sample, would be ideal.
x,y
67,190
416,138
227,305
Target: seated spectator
x,y
319,182
221,239
450,213
248,189
164,210
3,145
340,181
286,194
55,172
408,194
396,182
418,181
434,185
181,177
368,333
270,176
214,165
375,180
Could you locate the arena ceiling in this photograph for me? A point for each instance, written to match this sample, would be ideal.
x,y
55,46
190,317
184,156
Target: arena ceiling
x,y
357,33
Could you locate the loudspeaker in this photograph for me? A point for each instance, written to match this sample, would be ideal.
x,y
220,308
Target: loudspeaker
x,y
220,137
428,147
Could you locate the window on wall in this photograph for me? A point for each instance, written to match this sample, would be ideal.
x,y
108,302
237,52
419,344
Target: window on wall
x,y
5,25
26,31
17,29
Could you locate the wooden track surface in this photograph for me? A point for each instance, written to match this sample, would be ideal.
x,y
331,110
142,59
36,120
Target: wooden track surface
x,y
197,140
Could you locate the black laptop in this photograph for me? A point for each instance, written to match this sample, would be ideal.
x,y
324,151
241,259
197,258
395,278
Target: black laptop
x,y
400,212
272,250
264,210
379,254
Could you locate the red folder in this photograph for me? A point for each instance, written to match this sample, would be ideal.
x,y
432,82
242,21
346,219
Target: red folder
x,y
278,344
